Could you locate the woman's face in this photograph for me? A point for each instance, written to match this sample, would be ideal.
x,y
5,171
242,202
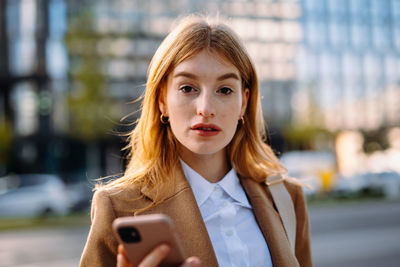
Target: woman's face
x,y
204,102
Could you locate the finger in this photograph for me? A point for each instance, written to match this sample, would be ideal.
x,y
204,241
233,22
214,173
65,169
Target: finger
x,y
121,250
122,260
156,256
191,262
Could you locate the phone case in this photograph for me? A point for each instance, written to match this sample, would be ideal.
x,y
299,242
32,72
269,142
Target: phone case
x,y
141,234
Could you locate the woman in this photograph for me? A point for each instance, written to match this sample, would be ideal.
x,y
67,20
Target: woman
x,y
197,154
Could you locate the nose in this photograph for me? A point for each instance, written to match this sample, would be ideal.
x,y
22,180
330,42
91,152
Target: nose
x,y
206,105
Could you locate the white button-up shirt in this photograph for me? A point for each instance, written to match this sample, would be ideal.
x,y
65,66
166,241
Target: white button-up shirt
x,y
229,219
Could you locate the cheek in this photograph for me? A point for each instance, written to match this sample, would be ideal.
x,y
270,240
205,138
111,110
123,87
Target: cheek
x,y
229,117
231,110
178,107
180,113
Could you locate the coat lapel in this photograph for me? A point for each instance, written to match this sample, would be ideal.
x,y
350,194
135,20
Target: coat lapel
x,y
181,206
270,223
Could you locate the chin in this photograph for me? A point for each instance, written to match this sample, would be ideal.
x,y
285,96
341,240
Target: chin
x,y
206,149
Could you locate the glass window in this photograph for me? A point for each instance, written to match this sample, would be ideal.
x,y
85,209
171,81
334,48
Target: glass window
x,y
380,8
391,68
291,31
314,5
315,32
352,73
307,65
395,8
360,35
266,29
302,65
359,7
328,94
22,56
28,18
396,37
57,58
13,18
24,100
328,67
381,37
338,34
57,17
313,65
337,6
372,69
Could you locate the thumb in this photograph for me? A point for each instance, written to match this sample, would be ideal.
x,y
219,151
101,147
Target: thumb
x,y
191,262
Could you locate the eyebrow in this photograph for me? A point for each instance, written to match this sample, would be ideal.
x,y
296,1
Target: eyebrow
x,y
225,76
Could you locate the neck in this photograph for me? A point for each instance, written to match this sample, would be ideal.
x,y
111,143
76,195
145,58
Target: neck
x,y
212,167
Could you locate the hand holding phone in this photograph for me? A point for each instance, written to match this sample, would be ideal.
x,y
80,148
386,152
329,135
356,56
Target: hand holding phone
x,y
140,235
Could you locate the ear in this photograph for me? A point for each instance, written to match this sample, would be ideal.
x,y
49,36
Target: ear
x,y
161,103
245,100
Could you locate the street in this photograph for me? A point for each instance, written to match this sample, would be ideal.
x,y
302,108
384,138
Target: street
x,y
356,234
352,234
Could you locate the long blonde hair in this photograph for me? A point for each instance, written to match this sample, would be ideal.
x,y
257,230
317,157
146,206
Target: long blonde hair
x,y
153,158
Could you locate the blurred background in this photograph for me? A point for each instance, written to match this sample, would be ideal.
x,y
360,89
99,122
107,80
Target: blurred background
x,y
330,83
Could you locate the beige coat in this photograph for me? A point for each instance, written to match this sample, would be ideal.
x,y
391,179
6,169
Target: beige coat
x,y
181,206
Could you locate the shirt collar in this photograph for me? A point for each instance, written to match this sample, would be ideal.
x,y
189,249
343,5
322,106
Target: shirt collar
x,y
202,188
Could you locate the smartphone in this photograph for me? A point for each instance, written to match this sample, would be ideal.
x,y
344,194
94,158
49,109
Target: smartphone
x,y
140,234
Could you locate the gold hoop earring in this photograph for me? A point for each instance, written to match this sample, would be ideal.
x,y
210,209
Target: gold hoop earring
x,y
164,120
242,120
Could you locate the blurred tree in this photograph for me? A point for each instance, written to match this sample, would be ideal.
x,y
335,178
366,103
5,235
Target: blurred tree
x,y
306,137
88,101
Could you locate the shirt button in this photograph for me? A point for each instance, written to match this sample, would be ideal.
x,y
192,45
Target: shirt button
x,y
224,204
229,233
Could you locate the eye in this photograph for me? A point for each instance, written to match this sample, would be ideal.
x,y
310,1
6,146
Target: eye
x,y
187,89
225,90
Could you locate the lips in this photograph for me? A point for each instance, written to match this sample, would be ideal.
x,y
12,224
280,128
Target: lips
x,y
206,127
203,129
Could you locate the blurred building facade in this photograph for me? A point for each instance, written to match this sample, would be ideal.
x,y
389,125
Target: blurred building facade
x,y
348,68
69,69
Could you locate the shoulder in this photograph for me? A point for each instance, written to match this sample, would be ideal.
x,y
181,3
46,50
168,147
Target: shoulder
x,y
120,200
103,192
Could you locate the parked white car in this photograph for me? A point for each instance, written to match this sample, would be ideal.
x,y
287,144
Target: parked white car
x,y
386,184
29,195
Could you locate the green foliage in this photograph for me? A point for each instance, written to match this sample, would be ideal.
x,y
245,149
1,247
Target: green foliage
x,y
306,136
88,101
5,138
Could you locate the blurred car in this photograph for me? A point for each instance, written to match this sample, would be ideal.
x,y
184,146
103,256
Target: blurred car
x,y
347,186
79,189
79,195
28,195
386,184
